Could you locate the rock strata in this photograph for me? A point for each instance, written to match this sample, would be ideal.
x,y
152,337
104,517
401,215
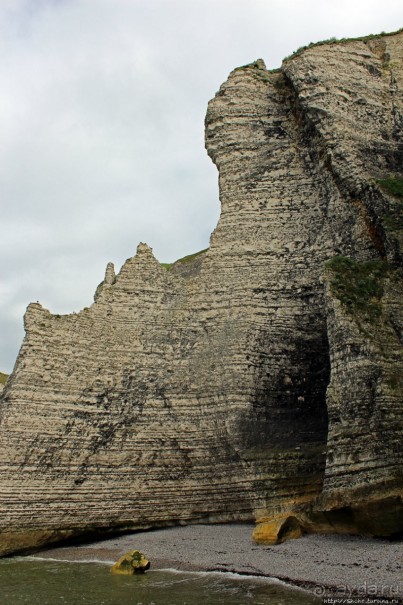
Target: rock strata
x,y
249,381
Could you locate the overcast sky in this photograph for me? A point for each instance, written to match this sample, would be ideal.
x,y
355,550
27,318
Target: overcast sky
x,y
102,104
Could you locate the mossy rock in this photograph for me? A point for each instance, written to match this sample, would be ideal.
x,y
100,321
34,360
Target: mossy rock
x,y
186,259
358,285
132,562
392,185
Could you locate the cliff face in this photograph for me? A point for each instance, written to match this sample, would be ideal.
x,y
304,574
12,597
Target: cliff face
x,y
252,380
364,399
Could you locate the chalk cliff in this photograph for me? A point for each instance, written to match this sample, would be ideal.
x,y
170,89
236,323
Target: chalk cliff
x,y
259,378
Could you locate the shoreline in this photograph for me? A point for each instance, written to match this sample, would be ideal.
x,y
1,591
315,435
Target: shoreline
x,y
324,565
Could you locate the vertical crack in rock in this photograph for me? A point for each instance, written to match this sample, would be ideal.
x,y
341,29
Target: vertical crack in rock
x,y
246,381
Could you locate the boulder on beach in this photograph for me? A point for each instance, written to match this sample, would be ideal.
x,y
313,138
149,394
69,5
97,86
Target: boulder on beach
x,y
277,530
132,562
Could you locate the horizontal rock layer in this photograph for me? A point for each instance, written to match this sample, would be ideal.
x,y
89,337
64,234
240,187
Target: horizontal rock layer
x,y
198,391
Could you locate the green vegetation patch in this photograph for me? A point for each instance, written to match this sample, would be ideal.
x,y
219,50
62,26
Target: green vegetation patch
x,y
393,218
185,259
259,72
392,185
301,49
258,64
358,285
190,257
3,378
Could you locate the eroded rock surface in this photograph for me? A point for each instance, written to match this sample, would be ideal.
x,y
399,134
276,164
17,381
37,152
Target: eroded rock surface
x,y
198,391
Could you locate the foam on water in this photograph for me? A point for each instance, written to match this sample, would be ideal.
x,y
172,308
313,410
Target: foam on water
x,y
59,560
36,580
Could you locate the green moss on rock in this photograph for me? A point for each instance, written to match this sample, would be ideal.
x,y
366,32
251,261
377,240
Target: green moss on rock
x,y
392,185
131,563
3,378
358,285
185,259
392,220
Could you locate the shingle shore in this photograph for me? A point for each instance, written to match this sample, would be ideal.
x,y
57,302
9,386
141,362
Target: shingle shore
x,y
324,564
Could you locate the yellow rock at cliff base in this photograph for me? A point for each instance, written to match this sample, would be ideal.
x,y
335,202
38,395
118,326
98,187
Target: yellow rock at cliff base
x,y
132,562
277,530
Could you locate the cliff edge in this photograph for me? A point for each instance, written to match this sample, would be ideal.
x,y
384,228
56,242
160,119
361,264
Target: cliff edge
x,y
259,379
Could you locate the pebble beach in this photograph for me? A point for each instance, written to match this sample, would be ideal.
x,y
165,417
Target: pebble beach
x,y
325,565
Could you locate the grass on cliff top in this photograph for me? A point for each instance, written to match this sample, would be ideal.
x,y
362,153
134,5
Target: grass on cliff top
x,y
358,285
185,259
260,67
301,49
3,378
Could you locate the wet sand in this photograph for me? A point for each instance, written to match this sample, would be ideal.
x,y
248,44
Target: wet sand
x,y
325,565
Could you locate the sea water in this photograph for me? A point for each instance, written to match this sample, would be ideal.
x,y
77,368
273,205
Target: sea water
x,y
31,581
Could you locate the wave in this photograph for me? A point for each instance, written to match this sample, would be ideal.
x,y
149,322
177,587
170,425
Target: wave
x,y
58,560
244,576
